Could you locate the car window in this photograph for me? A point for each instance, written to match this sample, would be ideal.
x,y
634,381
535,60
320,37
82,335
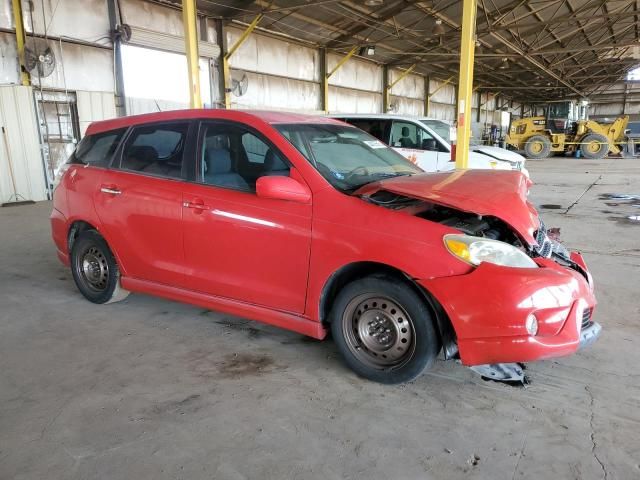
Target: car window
x,y
347,157
233,157
373,127
156,150
410,135
441,128
97,149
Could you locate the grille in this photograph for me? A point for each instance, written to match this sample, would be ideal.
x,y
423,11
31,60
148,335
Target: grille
x,y
586,317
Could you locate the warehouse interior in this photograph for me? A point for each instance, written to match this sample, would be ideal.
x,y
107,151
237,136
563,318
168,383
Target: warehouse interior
x,y
150,388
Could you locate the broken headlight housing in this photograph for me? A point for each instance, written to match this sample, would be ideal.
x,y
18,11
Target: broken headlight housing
x,y
475,250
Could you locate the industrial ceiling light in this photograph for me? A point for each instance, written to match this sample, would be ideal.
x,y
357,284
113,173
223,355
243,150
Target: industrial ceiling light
x,y
504,64
438,29
478,47
371,50
373,3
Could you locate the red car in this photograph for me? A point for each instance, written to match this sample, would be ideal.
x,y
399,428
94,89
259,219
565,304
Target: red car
x,y
310,224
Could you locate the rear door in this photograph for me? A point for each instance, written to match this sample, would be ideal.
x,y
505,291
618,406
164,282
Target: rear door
x,y
139,201
238,245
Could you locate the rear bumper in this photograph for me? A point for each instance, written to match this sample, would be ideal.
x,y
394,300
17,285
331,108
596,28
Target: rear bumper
x,y
489,307
59,235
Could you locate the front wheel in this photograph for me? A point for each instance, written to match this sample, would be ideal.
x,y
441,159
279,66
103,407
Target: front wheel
x,y
384,330
594,146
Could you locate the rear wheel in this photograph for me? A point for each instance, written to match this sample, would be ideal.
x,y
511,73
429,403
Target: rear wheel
x,y
94,269
594,145
537,146
383,330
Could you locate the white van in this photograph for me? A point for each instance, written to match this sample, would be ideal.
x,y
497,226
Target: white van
x,y
425,141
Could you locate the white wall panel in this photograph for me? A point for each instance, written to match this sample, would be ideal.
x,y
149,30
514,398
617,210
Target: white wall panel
x,y
355,73
94,106
263,54
22,142
442,111
152,17
6,14
407,106
344,100
79,67
8,59
267,91
444,94
87,20
411,86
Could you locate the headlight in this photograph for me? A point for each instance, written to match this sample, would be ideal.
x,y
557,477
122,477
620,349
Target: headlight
x,y
475,250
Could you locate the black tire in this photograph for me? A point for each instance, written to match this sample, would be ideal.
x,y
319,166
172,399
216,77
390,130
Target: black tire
x,y
594,146
376,317
537,147
94,268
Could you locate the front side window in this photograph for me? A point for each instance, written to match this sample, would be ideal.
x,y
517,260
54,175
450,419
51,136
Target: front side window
x,y
233,157
97,149
156,150
347,157
441,128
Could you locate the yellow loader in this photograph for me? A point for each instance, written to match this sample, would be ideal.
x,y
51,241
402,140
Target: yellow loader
x,y
565,129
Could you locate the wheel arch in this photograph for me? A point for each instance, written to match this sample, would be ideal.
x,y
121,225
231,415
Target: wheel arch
x,y
356,270
75,229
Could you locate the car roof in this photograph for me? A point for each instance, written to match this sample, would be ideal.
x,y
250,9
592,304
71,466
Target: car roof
x,y
245,116
383,116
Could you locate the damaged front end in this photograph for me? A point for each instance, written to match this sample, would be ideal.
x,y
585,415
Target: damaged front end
x,y
526,296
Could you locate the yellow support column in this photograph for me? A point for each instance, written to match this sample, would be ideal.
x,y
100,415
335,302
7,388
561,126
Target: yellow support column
x,y
226,67
20,40
465,86
325,80
189,21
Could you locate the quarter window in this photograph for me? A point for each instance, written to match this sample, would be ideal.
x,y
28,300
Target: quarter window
x,y
156,150
97,149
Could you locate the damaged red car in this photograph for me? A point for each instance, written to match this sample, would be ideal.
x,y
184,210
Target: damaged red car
x,y
312,225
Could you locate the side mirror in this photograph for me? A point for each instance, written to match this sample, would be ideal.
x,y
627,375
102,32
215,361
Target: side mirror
x,y
282,188
429,144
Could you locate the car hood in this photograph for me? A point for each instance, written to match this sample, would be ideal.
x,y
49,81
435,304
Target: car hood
x,y
498,153
501,194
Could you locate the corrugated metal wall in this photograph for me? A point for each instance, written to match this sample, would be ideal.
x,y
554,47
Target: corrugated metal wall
x,y
20,155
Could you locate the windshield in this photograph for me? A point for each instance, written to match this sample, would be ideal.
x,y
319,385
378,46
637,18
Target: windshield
x,y
441,128
347,157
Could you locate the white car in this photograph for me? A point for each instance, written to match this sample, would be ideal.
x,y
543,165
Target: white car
x,y
425,141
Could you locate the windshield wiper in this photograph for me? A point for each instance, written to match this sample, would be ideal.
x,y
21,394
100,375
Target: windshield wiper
x,y
377,177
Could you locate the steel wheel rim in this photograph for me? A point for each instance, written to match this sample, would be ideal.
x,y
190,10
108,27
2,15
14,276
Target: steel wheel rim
x,y
378,331
594,146
94,269
536,147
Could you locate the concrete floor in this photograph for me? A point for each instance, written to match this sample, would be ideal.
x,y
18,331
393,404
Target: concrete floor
x,y
150,388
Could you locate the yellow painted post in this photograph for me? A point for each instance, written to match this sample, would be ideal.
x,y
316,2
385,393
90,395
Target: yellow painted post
x,y
189,21
20,40
226,67
465,86
325,80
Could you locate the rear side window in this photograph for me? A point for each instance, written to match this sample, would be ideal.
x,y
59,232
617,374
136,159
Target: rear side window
x,y
97,149
156,150
373,127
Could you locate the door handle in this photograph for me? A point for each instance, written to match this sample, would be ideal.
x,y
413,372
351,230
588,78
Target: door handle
x,y
110,189
197,205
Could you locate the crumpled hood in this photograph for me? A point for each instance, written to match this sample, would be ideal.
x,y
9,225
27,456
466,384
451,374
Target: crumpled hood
x,y
499,153
501,194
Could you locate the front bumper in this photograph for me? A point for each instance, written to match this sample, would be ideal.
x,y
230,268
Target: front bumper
x,y
488,308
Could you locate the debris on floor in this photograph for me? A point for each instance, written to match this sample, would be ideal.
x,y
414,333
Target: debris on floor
x,y
510,373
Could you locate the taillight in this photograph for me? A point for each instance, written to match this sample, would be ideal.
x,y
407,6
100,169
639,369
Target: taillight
x,y
60,171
